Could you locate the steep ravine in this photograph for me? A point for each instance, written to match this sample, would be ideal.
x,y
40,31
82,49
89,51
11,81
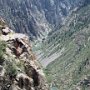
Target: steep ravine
x,y
65,70
71,69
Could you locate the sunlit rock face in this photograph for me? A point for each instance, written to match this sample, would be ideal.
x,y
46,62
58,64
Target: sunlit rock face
x,y
19,69
37,17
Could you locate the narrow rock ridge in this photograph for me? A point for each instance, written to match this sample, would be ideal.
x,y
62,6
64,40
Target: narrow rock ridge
x,y
19,69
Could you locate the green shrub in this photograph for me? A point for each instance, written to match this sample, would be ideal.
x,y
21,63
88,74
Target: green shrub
x,y
2,51
11,69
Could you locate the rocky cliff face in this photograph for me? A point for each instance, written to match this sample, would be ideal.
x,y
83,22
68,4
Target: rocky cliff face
x,y
19,69
37,17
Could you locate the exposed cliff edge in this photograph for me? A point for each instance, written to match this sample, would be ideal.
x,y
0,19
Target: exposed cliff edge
x,y
19,69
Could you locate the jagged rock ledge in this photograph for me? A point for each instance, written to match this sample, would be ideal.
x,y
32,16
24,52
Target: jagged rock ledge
x,y
19,69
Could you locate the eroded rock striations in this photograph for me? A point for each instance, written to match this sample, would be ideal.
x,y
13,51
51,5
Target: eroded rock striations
x,y
19,69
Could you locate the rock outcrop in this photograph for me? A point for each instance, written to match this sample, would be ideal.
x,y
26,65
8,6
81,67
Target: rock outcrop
x,y
19,69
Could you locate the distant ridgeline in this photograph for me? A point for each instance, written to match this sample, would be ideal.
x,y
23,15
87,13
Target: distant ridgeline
x,y
37,17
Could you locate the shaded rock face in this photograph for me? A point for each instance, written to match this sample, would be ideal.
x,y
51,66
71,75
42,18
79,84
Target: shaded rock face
x,y
19,69
36,17
83,83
